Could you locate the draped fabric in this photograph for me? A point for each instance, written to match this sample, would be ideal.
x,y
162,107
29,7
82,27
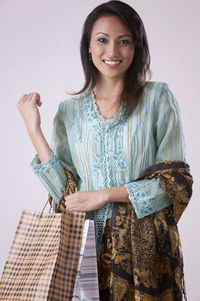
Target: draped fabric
x,y
141,259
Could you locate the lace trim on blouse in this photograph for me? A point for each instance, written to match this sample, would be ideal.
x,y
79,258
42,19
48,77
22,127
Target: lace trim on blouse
x,y
108,161
139,200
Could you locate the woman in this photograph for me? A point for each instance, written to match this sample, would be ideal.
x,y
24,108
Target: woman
x,y
121,138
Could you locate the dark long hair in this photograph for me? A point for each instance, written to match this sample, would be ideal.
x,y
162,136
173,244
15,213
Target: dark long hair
x,y
136,74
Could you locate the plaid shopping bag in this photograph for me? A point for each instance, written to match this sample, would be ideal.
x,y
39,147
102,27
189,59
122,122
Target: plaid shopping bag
x,y
43,260
42,263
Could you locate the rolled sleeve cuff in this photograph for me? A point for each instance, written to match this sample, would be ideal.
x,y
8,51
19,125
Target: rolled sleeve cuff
x,y
51,174
39,166
142,203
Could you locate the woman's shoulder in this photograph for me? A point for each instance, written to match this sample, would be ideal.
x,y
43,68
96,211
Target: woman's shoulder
x,y
153,88
160,98
73,102
157,93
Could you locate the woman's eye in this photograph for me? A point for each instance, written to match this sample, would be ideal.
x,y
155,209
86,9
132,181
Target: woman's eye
x,y
102,40
124,42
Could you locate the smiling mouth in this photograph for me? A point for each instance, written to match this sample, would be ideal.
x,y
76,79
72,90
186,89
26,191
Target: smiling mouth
x,y
112,63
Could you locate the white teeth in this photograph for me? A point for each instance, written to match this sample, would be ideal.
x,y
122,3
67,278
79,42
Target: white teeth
x,y
112,62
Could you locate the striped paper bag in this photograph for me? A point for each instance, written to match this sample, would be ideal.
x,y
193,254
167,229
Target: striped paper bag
x,y
86,285
44,256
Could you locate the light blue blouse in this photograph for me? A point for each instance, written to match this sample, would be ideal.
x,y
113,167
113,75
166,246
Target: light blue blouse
x,y
113,152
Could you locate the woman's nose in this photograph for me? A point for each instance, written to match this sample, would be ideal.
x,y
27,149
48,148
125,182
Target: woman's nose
x,y
113,49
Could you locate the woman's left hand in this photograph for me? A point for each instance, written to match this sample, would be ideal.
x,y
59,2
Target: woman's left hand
x,y
85,200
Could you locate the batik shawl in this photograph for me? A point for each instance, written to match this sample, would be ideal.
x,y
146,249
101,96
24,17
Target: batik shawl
x,y
141,259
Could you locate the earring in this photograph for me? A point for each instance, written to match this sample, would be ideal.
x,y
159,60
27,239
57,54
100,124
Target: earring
x,y
90,56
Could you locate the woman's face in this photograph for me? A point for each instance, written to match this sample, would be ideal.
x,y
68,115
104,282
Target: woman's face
x,y
111,46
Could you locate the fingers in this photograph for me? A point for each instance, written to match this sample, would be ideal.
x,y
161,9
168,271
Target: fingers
x,y
22,99
72,201
29,99
68,206
68,203
33,97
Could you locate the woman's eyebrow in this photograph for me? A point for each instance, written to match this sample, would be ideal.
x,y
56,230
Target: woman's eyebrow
x,y
121,35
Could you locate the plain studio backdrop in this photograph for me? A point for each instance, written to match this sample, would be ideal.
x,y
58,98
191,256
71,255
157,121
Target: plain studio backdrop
x,y
39,51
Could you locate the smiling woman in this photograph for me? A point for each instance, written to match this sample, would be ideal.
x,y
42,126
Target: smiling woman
x,y
117,19
121,138
112,50
111,47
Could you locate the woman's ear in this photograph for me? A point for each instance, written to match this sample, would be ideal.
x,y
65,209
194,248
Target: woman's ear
x,y
89,48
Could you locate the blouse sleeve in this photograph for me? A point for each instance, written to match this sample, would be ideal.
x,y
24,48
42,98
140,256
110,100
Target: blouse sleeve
x,y
147,196
51,172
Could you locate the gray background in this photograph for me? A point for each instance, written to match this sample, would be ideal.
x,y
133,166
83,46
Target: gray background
x,y
39,51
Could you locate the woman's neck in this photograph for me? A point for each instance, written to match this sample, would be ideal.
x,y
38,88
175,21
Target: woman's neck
x,y
109,90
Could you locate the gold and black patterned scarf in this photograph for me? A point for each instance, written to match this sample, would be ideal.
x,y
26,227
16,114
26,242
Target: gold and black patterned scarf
x,y
141,259
70,187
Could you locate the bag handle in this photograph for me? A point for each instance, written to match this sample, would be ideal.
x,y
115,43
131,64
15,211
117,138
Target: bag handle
x,y
45,207
70,187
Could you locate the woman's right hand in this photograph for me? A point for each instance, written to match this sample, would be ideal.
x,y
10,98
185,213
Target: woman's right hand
x,y
28,108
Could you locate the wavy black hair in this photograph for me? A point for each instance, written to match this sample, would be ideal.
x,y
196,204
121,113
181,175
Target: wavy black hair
x,y
136,74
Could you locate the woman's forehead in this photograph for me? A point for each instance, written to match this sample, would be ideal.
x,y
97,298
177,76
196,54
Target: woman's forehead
x,y
110,24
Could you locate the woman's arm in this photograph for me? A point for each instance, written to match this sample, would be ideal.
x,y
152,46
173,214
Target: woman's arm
x,y
147,196
40,144
51,172
28,107
116,194
93,200
46,164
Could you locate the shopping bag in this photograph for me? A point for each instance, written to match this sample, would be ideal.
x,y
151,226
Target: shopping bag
x,y
44,256
53,256
86,285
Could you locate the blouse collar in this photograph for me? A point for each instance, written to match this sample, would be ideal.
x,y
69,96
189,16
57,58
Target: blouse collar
x,y
94,114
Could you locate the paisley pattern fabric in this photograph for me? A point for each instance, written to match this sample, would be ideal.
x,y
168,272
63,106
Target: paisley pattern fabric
x,y
141,259
176,180
70,187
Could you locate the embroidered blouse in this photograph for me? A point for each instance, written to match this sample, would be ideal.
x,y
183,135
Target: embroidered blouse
x,y
104,153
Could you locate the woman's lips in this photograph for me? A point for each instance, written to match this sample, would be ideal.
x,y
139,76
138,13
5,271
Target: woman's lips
x,y
112,63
